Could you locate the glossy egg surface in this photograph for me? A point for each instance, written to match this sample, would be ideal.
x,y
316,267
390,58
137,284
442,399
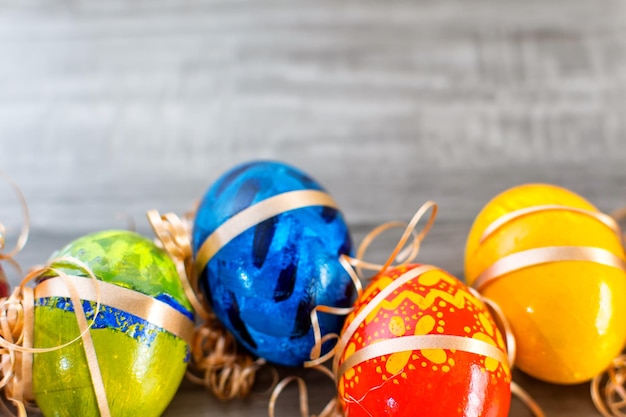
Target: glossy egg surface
x,y
142,365
265,282
569,317
433,382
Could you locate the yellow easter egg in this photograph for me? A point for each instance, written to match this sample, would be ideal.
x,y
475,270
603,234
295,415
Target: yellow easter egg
x,y
554,264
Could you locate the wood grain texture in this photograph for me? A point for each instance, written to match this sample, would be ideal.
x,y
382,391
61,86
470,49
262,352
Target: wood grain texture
x,y
117,107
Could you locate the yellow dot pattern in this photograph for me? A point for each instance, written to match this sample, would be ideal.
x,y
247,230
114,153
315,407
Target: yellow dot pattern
x,y
434,303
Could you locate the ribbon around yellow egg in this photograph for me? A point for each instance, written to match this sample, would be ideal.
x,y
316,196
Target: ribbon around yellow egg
x,y
555,265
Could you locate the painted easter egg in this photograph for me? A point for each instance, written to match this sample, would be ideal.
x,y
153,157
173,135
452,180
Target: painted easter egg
x,y
267,240
554,264
140,333
418,339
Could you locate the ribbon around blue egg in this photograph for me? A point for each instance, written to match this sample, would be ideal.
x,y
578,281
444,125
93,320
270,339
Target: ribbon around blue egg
x,y
267,242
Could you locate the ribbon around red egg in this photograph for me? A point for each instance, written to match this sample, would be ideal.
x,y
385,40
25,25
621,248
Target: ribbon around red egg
x,y
355,267
402,255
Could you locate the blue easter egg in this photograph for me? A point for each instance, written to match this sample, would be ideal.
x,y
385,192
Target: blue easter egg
x,y
264,282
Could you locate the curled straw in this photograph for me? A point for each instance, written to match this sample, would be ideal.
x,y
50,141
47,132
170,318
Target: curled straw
x,y
401,254
215,361
16,338
608,390
17,325
511,348
332,408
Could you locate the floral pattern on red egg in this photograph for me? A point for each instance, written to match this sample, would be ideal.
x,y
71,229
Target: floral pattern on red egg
x,y
440,382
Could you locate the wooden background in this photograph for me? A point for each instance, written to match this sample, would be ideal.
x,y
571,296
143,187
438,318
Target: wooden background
x,y
108,109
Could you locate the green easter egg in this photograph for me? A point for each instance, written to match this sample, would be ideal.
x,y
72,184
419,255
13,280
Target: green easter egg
x,y
141,363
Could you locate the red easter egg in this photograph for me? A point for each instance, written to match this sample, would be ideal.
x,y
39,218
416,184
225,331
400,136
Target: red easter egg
x,y
420,343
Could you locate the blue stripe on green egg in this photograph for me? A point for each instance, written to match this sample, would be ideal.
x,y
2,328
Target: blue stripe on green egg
x,y
264,283
142,364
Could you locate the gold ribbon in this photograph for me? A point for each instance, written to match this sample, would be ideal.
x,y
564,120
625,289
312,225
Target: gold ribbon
x,y
16,339
256,214
605,219
15,366
511,349
548,254
373,304
502,323
17,325
332,408
405,343
354,267
130,301
419,342
316,357
537,256
174,235
216,362
401,255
